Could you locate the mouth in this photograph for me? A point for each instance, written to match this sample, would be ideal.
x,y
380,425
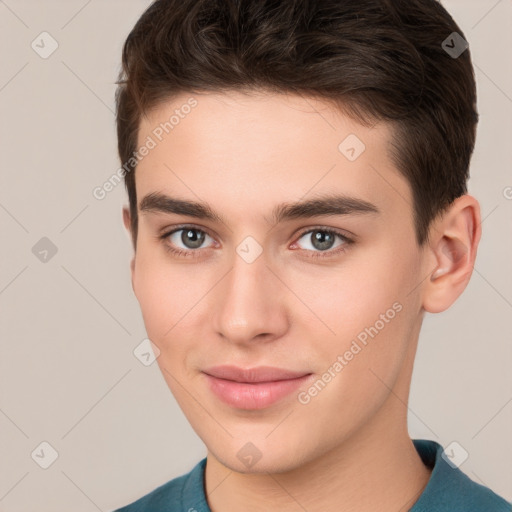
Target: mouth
x,y
254,388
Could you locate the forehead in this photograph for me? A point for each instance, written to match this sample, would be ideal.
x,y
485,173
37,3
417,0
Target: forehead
x,y
250,149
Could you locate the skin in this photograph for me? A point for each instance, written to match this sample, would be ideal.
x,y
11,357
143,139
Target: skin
x,y
350,443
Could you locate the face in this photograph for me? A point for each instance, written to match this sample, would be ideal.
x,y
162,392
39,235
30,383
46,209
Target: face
x,y
328,293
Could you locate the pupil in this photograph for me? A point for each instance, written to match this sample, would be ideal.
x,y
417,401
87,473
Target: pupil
x,y
190,238
322,240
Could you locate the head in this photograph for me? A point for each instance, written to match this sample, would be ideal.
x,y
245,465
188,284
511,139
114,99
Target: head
x,y
315,156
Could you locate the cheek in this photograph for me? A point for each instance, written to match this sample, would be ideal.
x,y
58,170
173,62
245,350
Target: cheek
x,y
164,294
166,291
164,303
358,369
351,296
369,310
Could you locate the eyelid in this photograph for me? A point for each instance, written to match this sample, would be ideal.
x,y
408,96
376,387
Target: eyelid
x,y
167,232
347,240
329,253
341,232
164,232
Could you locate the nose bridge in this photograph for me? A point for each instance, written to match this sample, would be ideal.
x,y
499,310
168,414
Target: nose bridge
x,y
249,301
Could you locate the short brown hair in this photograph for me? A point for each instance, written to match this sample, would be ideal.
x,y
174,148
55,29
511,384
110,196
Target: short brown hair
x,y
375,60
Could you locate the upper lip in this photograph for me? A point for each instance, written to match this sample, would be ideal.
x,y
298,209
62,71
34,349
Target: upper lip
x,y
257,374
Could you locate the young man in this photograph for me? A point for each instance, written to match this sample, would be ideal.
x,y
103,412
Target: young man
x,y
296,174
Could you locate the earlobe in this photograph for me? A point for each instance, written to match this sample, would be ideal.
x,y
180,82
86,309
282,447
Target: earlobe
x,y
128,226
127,221
126,218
455,239
132,273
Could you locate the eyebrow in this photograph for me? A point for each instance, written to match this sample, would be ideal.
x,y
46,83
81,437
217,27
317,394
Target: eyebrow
x,y
329,204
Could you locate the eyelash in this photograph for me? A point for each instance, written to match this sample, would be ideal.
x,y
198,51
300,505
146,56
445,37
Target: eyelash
x,y
191,253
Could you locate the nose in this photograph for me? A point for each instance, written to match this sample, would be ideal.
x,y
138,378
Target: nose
x,y
250,303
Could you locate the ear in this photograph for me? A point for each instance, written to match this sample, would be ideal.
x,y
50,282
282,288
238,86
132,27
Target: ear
x,y
452,251
128,225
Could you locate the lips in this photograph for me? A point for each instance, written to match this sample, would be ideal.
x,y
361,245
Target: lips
x,y
253,375
253,388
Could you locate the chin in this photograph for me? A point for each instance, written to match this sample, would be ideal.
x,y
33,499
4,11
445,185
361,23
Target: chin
x,y
253,455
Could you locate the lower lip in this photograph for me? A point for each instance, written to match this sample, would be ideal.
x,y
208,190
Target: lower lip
x,y
254,396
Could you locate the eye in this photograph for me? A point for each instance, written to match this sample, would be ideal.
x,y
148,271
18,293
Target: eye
x,y
322,240
185,240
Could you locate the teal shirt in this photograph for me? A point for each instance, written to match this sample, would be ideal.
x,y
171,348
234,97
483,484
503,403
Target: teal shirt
x,y
448,490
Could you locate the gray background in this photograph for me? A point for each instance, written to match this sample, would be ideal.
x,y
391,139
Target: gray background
x,y
68,375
